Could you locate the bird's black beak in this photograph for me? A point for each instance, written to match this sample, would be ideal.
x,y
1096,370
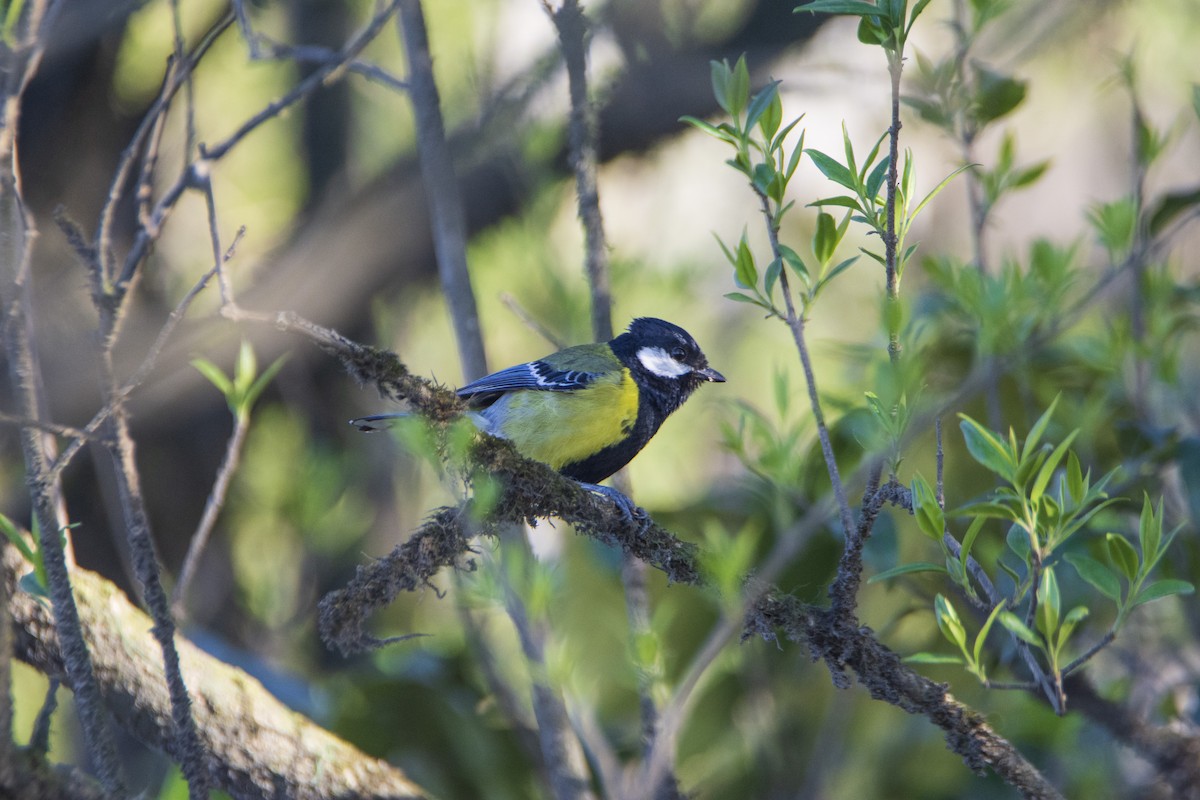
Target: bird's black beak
x,y
711,375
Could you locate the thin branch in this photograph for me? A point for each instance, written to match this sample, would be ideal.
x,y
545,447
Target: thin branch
x,y
173,81
572,27
264,48
441,189
561,750
891,268
186,743
795,323
212,507
39,738
321,76
1087,656
89,432
17,67
514,305
49,427
1173,754
600,753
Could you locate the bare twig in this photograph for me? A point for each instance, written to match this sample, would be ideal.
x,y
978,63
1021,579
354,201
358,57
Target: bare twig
x,y
186,745
324,74
39,738
513,305
891,268
18,64
441,188
175,78
572,26
561,750
212,507
795,323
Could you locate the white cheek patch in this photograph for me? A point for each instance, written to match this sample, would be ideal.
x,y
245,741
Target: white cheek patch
x,y
657,361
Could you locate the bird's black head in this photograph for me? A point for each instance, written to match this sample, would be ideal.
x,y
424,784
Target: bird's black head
x,y
666,356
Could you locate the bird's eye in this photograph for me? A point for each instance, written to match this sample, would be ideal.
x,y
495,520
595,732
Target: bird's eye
x,y
678,354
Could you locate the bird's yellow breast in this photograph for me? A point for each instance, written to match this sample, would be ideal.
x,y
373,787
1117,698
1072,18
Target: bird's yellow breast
x,y
559,428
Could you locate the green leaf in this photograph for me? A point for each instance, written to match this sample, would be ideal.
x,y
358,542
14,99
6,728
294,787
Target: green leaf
x,y
762,178
1073,618
987,448
745,274
1012,573
1161,589
852,7
906,569
772,276
712,130
1115,224
13,534
1049,603
875,179
832,169
949,623
1150,530
261,383
1122,555
793,260
1075,485
772,118
1076,615
838,270
1039,428
720,84
935,192
969,539
738,89
983,632
1017,540
996,95
1018,628
986,509
840,200
761,104
932,658
214,375
738,297
1043,477
825,239
930,518
1098,575
872,32
32,585
244,370
794,158
1170,206
1028,175
916,12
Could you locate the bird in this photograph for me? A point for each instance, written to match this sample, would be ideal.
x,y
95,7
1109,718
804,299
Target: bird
x,y
587,410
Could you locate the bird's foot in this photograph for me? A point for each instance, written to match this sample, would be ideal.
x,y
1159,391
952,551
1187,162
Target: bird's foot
x,y
629,511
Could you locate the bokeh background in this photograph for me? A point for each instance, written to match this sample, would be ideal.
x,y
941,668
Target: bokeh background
x,y
336,230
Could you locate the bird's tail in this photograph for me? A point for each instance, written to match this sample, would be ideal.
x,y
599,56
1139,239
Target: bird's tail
x,y
380,422
377,422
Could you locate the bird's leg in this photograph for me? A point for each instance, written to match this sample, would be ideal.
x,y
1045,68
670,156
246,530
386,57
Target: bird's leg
x,y
629,510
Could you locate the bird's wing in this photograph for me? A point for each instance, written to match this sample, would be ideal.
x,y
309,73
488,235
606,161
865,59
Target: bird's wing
x,y
565,371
